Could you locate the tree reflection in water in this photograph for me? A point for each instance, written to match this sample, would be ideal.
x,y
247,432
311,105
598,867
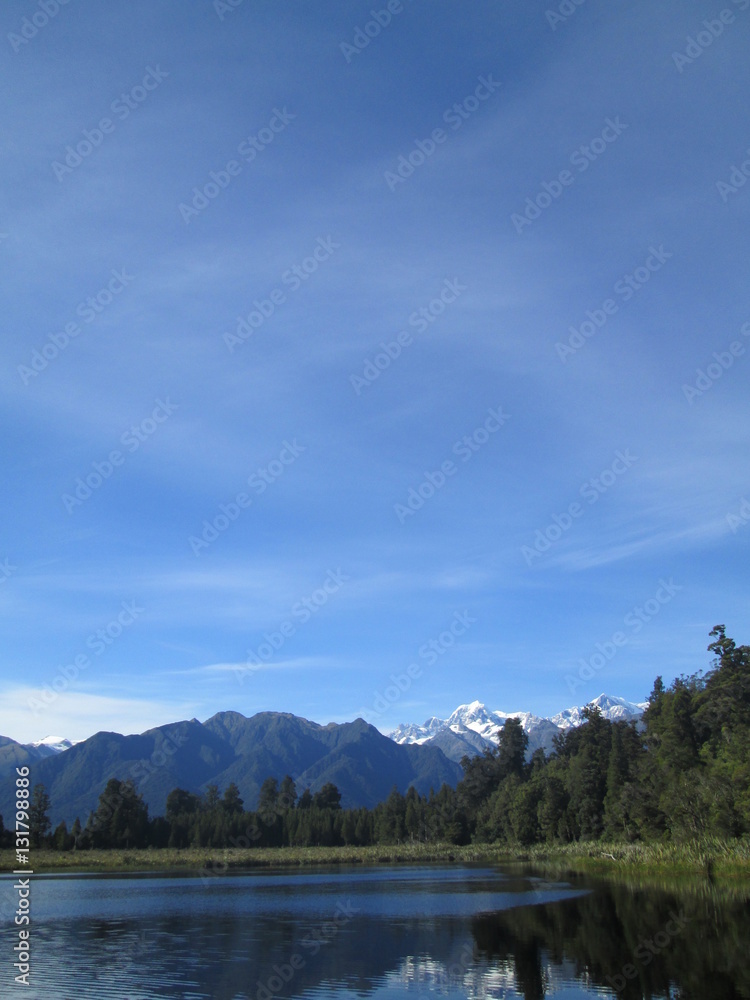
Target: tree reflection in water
x,y
684,941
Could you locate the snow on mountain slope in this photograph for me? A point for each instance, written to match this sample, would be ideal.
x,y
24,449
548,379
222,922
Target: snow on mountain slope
x,y
615,709
475,720
51,745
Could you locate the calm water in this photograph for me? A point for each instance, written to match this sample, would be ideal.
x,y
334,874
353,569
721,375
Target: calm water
x,y
387,932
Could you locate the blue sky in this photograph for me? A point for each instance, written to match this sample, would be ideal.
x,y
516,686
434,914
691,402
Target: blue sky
x,y
460,447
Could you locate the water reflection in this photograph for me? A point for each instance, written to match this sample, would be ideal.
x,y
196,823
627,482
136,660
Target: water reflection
x,y
637,940
470,932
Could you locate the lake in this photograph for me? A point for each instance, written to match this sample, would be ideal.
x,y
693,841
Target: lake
x,y
453,931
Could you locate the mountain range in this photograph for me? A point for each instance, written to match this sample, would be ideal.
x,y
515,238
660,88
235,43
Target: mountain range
x,y
362,762
472,727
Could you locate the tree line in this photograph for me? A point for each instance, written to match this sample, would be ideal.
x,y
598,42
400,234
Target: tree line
x,y
682,771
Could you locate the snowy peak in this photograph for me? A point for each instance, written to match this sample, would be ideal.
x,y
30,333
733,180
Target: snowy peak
x,y
475,717
413,733
618,708
51,745
472,727
612,708
470,713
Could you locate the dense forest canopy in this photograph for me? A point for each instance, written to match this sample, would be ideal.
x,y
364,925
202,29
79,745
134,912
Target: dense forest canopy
x,y
681,772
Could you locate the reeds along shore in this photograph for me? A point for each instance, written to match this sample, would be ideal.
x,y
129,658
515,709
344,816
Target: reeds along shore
x,y
710,857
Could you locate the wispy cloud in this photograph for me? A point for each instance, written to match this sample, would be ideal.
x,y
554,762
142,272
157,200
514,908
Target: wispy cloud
x,y
450,219
246,667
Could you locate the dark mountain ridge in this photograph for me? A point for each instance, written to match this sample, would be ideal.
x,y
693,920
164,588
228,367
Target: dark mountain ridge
x,y
228,747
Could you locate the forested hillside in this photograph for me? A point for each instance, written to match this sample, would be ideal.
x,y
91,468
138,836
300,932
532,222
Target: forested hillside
x,y
686,774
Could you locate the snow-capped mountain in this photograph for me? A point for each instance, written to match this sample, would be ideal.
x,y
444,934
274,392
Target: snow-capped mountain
x,y
50,745
615,709
472,727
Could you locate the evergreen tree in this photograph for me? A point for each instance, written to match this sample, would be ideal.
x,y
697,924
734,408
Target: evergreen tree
x,y
446,818
159,832
75,832
363,830
552,805
87,838
391,818
413,814
232,803
267,800
481,778
39,822
723,705
270,814
61,839
212,801
589,747
524,820
329,797
181,803
349,828
513,743
287,793
624,757
129,823
120,818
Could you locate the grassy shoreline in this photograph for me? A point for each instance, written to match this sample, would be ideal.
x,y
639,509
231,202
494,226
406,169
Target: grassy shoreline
x,y
711,857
